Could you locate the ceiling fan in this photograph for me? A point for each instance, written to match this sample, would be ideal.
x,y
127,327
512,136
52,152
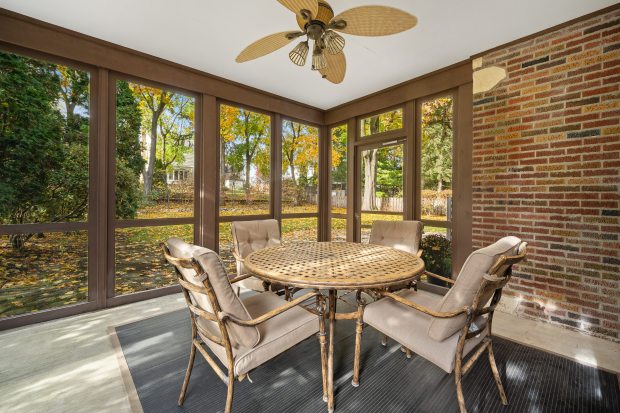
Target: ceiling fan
x,y
317,21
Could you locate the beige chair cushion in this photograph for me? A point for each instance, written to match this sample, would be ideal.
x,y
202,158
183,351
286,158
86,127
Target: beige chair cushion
x,y
409,327
402,235
277,334
250,236
181,249
467,284
213,268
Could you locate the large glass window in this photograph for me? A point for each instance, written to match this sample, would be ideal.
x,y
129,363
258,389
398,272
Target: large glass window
x,y
339,164
154,152
299,229
245,171
245,155
44,184
383,122
226,247
154,180
436,169
300,163
139,262
382,186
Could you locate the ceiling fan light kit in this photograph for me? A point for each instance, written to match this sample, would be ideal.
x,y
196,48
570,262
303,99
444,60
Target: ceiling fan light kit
x,y
317,22
318,58
299,54
334,42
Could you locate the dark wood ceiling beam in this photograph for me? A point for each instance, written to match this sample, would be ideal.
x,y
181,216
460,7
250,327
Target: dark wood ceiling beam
x,y
444,79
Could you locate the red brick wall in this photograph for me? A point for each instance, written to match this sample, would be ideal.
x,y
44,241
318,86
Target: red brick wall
x,y
546,167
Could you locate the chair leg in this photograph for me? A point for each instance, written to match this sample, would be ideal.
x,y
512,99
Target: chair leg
x,y
458,376
496,376
188,373
323,343
384,340
406,351
229,394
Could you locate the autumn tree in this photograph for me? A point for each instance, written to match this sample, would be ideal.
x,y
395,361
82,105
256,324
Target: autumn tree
x,y
153,102
339,154
176,131
245,137
300,154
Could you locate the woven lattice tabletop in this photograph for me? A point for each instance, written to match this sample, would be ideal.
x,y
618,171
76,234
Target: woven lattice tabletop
x,y
337,265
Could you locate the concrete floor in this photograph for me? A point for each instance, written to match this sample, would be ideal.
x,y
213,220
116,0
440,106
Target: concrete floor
x,y
70,365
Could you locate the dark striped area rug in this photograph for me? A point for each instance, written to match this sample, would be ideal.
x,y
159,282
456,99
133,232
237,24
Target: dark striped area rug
x,y
156,351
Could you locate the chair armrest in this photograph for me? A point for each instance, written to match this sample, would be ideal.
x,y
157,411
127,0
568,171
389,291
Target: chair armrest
x,y
411,304
255,321
419,254
439,277
240,278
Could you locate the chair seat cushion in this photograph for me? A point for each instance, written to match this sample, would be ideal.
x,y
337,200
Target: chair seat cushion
x,y
277,334
410,327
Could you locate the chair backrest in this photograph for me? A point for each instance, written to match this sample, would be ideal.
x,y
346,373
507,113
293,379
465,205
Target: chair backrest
x,y
402,235
467,285
213,276
250,236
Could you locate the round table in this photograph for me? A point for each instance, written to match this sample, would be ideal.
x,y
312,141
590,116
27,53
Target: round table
x,y
334,266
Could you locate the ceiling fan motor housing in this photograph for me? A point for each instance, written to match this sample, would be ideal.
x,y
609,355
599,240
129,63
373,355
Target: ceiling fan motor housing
x,y
322,18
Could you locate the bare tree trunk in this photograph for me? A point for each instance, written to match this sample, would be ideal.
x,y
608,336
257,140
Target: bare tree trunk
x,y
246,185
292,168
223,175
369,196
150,165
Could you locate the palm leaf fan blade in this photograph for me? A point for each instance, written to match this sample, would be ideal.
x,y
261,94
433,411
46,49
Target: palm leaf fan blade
x,y
296,6
336,67
375,21
264,46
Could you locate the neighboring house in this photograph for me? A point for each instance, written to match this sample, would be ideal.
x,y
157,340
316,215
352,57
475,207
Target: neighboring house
x,y
182,172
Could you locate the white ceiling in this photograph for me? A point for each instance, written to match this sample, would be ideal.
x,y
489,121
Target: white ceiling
x,y
208,34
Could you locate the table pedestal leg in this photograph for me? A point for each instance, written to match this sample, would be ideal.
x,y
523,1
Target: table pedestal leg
x,y
330,355
321,307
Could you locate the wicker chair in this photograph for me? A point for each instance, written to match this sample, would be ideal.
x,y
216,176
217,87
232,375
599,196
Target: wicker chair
x,y
404,236
242,334
445,329
249,236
